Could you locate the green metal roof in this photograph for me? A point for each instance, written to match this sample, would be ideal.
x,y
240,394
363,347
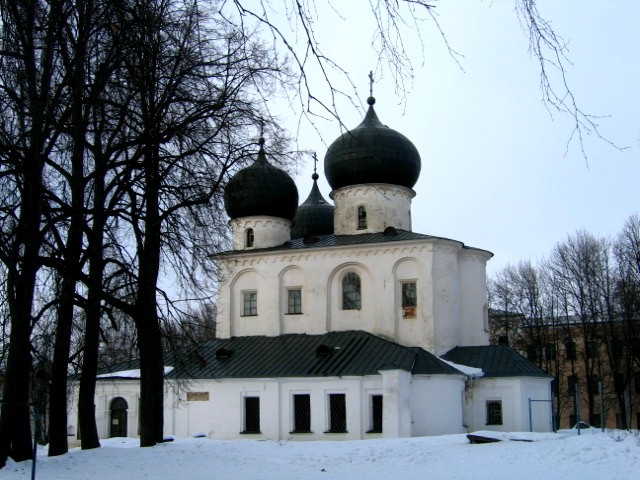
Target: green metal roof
x,y
334,354
495,361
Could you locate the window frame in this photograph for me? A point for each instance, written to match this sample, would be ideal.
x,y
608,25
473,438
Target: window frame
x,y
249,238
376,413
409,300
362,217
249,410
494,412
296,415
296,306
352,297
336,412
252,309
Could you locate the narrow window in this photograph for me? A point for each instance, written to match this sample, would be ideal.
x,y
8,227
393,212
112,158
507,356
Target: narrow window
x,y
351,298
550,351
376,414
249,238
592,384
362,218
251,415
337,413
301,413
294,301
249,304
494,412
409,299
532,353
570,348
572,381
636,382
592,349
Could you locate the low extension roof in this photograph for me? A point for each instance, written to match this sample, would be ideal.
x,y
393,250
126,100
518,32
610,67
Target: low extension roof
x,y
334,354
495,361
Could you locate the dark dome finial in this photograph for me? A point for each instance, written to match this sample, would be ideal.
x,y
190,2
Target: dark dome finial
x,y
315,175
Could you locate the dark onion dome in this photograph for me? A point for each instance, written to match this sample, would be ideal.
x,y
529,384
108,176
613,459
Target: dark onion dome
x,y
314,216
261,189
372,153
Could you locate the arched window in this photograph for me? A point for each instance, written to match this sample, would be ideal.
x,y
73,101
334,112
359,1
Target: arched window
x,y
249,238
362,218
351,296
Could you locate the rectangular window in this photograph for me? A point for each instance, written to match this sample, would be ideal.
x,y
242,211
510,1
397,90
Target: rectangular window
x,y
249,303
409,299
337,413
376,414
570,348
251,415
532,353
494,412
636,382
294,297
550,351
301,413
592,384
572,381
592,349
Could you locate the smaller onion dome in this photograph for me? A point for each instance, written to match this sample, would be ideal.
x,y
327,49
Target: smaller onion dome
x,y
261,189
314,216
372,153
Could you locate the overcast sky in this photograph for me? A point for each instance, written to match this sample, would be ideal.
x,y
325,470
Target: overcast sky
x,y
496,170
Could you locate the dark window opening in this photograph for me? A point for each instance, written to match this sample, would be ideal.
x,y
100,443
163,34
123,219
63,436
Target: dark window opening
x,y
570,348
250,304
376,414
301,413
249,238
503,340
592,384
494,412
592,349
351,297
294,301
550,351
532,353
251,415
636,382
362,218
572,381
337,413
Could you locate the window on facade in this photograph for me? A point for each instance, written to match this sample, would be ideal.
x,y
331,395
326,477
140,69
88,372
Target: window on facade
x,y
636,382
619,383
351,297
376,414
594,420
618,348
570,348
503,340
409,299
251,415
494,412
362,218
249,303
294,301
555,387
592,349
249,238
301,413
572,381
592,384
532,353
337,413
550,351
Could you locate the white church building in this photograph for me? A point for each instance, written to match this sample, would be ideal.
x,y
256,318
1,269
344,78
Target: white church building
x,y
338,321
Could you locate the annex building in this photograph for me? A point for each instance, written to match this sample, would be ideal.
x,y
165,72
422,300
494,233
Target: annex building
x,y
337,321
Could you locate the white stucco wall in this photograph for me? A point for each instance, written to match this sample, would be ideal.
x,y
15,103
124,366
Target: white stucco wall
x,y
268,231
437,403
386,206
514,393
451,299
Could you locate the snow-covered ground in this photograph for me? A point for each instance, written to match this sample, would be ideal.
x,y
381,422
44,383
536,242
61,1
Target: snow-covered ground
x,y
565,455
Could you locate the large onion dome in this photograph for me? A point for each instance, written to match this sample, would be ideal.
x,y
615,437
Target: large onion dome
x,y
372,153
261,189
314,216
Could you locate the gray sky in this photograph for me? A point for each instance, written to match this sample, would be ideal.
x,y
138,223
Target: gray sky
x,y
496,170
